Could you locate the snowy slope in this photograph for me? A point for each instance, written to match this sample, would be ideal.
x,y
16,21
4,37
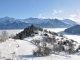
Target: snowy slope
x,y
24,51
23,48
9,47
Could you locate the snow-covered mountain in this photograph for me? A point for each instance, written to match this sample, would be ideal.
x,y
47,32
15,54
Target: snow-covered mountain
x,y
70,22
12,23
34,20
53,23
48,23
73,30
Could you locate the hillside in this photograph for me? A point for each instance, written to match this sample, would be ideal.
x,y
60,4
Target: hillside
x,y
47,37
73,30
32,38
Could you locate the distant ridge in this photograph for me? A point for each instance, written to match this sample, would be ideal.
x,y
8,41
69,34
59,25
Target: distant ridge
x,y
73,30
12,23
70,22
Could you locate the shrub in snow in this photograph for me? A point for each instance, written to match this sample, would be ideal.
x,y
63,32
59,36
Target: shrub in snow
x,y
58,48
61,35
71,48
36,42
42,51
43,44
41,29
50,40
46,31
12,36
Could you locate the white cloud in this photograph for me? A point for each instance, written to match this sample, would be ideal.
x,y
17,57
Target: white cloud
x,y
75,17
57,11
60,11
41,16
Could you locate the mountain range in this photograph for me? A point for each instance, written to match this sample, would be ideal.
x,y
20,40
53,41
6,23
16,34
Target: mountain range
x,y
70,22
12,23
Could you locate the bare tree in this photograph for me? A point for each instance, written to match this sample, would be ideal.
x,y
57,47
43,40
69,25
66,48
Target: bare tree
x,y
1,39
4,36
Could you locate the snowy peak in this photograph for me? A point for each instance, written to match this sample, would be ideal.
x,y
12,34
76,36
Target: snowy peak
x,y
33,20
54,23
8,20
11,23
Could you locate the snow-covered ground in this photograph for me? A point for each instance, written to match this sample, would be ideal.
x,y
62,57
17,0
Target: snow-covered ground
x,y
23,48
24,51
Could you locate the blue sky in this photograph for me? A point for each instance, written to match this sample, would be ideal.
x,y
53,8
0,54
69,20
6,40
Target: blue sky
x,y
40,8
